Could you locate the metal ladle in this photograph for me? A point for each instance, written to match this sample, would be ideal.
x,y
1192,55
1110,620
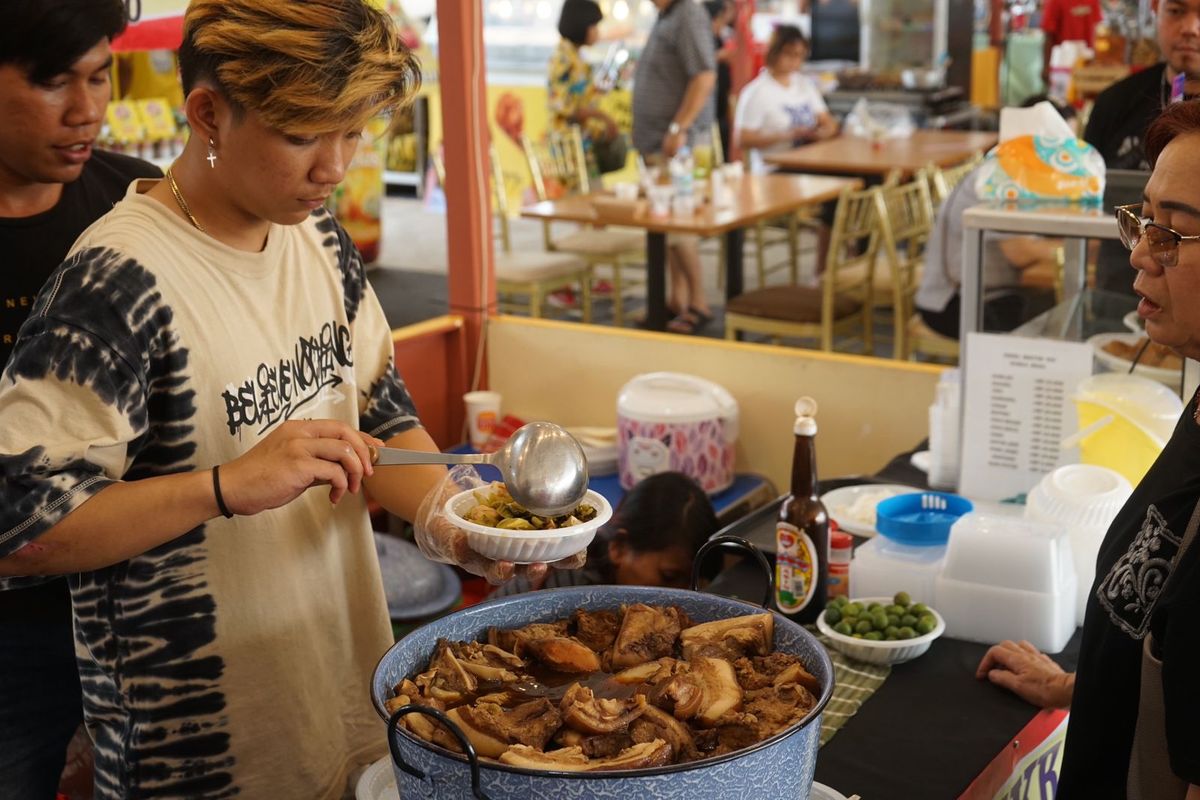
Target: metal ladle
x,y
543,466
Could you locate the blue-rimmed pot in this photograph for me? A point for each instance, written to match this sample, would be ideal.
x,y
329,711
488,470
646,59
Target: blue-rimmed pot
x,y
781,766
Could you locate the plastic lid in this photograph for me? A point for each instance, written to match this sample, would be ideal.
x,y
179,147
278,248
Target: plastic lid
x,y
921,518
1145,403
840,540
1084,495
674,397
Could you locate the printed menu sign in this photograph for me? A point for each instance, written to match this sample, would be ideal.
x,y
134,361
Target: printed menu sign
x,y
1017,410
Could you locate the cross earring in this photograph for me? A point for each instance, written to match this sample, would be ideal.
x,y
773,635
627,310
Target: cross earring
x,y
212,154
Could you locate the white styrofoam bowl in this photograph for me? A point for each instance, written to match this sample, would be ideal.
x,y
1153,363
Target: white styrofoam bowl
x,y
527,547
885,652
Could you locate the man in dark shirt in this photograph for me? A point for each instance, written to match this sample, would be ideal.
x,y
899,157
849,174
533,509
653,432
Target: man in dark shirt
x,y
55,63
1123,111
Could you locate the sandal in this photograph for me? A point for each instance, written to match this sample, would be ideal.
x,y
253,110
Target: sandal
x,y
682,323
700,317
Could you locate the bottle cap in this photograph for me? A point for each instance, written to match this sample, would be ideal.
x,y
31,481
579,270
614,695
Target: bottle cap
x,y
840,540
806,410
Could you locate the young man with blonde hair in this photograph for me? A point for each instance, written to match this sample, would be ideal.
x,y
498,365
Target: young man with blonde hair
x,y
185,423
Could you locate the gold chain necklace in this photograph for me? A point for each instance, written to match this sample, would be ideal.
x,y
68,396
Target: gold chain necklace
x,y
183,206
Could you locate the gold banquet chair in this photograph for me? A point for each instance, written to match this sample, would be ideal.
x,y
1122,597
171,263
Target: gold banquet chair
x,y
905,215
558,167
942,180
842,302
532,275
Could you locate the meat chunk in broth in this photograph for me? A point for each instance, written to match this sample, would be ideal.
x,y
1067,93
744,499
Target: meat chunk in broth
x,y
492,729
587,714
596,629
564,654
646,633
750,635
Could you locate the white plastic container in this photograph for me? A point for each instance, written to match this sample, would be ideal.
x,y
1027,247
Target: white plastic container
x,y
527,547
1006,577
1084,499
881,567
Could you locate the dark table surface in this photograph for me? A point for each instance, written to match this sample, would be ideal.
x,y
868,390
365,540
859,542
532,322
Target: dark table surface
x,y
932,727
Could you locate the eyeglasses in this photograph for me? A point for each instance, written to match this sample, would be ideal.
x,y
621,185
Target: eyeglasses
x,y
1163,241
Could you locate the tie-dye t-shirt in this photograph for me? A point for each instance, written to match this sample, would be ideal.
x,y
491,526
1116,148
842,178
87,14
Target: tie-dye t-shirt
x,y
235,660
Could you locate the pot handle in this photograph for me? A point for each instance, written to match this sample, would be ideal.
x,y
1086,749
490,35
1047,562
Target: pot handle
x,y
468,748
730,542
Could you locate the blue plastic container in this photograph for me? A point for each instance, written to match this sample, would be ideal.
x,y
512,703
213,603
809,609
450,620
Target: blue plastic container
x,y
920,518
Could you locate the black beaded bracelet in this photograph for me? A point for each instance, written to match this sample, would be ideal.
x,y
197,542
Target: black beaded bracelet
x,y
224,509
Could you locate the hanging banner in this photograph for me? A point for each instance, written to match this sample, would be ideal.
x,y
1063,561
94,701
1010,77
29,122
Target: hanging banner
x,y
153,25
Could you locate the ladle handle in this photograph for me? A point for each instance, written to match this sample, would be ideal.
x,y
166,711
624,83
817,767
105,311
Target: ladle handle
x,y
729,542
468,748
391,456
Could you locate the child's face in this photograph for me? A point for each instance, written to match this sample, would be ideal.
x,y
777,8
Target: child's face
x,y
671,567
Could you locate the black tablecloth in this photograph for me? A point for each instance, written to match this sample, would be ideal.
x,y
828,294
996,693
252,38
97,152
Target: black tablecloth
x,y
932,727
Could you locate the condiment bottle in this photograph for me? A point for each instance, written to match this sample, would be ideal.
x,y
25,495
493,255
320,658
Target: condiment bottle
x,y
841,548
802,532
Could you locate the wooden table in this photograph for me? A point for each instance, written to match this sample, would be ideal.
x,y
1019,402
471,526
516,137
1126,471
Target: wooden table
x,y
755,197
851,155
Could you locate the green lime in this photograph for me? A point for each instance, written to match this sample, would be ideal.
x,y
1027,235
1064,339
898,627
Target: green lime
x,y
895,609
841,600
874,636
893,619
875,607
833,615
926,625
902,599
920,609
879,620
892,632
908,620
852,610
843,628
907,633
857,635
863,626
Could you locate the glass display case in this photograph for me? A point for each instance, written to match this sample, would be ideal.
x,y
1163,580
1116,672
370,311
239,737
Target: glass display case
x,y
898,34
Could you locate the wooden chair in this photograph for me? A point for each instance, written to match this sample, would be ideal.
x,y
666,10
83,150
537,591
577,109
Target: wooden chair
x,y
558,168
532,275
905,215
845,297
920,338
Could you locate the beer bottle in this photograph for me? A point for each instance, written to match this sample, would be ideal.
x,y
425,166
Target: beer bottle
x,y
802,531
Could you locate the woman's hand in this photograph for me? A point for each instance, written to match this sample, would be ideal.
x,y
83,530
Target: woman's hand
x,y
1029,673
293,458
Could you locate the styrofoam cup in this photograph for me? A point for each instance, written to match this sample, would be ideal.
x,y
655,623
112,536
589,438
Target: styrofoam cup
x,y
483,411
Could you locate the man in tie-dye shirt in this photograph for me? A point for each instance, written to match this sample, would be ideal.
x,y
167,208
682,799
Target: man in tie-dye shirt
x,y
185,422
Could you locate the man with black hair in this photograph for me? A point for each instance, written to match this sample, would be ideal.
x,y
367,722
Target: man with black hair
x,y
54,87
1124,111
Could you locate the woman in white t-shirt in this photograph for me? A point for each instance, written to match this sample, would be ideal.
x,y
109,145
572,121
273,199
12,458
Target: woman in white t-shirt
x,y
781,108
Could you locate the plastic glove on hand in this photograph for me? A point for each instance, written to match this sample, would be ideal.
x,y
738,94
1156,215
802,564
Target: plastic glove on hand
x,y
441,540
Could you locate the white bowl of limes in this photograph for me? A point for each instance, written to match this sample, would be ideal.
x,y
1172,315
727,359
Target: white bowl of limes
x,y
880,631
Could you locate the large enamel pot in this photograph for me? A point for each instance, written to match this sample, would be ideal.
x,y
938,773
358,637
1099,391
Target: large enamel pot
x,y
779,767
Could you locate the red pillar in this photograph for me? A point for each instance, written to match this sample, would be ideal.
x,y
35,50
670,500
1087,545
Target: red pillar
x,y
468,198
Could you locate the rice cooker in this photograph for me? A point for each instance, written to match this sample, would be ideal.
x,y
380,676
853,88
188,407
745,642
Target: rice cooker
x,y
668,421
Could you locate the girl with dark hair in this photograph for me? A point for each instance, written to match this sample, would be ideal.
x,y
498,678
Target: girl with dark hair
x,y
574,98
781,108
650,541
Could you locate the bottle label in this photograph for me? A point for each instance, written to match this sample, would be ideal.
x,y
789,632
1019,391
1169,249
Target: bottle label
x,y
795,568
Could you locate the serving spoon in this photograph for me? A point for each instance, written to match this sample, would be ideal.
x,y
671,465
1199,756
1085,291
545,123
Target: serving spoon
x,y
543,466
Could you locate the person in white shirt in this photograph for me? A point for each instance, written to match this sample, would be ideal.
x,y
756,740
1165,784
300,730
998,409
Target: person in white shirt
x,y
781,108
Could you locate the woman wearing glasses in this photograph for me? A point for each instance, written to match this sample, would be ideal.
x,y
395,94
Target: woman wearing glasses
x,y
1135,701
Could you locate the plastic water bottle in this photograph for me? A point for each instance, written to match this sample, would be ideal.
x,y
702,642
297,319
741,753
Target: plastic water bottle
x,y
683,181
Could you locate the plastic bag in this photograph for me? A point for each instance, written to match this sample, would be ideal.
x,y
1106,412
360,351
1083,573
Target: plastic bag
x,y
879,121
1042,168
444,542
